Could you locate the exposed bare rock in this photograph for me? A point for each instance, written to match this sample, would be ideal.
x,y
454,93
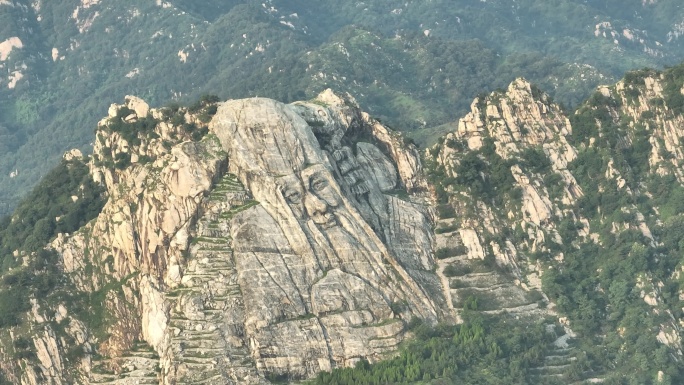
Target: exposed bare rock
x,y
472,242
297,238
72,154
325,254
291,239
517,121
8,45
281,240
502,228
382,170
138,105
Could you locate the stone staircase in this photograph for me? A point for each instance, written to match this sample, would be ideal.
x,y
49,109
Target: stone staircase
x,y
497,294
207,309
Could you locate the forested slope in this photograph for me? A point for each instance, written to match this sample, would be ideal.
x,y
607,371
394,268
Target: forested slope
x,y
65,60
556,247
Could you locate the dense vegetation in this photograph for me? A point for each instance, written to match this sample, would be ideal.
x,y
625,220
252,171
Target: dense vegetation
x,y
66,199
483,173
63,202
620,288
482,350
618,324
415,65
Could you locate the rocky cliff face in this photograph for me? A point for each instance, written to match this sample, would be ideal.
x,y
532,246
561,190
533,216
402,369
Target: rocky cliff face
x,y
273,245
512,126
521,184
252,241
339,247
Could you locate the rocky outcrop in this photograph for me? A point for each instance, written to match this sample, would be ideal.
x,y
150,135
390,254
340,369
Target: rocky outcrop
x,y
250,240
273,245
618,144
514,123
342,262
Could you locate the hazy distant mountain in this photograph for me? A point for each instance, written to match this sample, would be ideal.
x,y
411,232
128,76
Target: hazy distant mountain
x,y
64,62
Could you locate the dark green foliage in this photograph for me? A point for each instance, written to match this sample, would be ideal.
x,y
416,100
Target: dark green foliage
x,y
480,351
637,155
446,211
196,133
122,160
23,348
584,121
600,284
535,160
450,252
35,222
380,56
32,226
39,279
648,114
636,78
485,174
668,195
471,174
447,229
618,305
384,59
133,130
398,307
554,184
596,285
436,174
14,301
455,144
277,378
206,102
674,81
451,270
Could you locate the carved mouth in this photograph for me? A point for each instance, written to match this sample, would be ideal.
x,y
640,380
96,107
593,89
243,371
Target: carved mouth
x,y
326,221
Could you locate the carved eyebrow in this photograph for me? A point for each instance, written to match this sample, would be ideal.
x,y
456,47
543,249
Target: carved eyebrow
x,y
292,195
318,182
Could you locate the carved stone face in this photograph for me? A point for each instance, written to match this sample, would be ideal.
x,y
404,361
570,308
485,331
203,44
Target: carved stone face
x,y
312,194
324,240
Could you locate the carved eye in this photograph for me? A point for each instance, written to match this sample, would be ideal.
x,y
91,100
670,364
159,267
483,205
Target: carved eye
x,y
292,196
318,184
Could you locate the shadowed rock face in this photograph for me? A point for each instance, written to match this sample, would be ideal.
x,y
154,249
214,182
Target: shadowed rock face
x,y
328,263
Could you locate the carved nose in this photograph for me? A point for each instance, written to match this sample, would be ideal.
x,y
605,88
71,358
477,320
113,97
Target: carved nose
x,y
314,205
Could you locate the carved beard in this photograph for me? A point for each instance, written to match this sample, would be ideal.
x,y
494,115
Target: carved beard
x,y
343,245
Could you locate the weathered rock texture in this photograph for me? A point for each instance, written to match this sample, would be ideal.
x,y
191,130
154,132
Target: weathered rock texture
x,y
273,247
519,119
521,133
273,241
328,263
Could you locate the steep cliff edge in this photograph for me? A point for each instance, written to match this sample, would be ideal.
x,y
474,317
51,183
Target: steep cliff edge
x,y
267,241
251,241
583,206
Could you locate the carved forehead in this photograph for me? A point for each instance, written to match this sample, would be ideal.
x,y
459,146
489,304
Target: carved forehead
x,y
314,170
324,122
266,136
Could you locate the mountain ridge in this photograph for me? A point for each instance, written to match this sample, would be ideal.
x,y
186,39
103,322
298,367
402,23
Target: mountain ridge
x,y
523,215
79,55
